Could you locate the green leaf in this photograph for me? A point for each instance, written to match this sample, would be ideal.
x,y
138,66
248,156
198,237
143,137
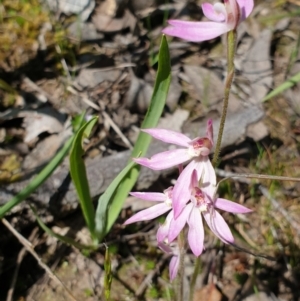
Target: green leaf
x,y
79,177
111,202
39,179
284,86
64,239
104,201
6,87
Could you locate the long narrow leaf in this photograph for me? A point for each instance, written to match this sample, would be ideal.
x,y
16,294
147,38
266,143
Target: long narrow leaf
x,y
289,83
103,203
41,177
79,177
38,180
111,202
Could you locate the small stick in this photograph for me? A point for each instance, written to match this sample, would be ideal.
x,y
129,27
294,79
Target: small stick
x,y
16,272
63,62
226,174
36,88
29,248
150,276
105,115
265,191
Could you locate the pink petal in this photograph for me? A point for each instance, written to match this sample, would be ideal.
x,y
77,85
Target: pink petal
x,y
210,12
177,225
196,232
165,160
173,267
246,7
195,31
163,230
150,196
205,168
209,131
218,225
194,179
168,136
148,213
230,206
233,13
182,191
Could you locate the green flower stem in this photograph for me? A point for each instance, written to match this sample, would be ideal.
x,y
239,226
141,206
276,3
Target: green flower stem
x,y
180,279
194,278
231,42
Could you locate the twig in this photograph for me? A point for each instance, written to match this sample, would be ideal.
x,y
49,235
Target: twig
x,y
18,264
37,290
150,276
105,115
36,88
63,62
29,248
226,174
265,191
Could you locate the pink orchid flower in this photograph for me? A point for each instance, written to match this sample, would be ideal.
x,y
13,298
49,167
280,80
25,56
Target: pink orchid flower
x,y
192,149
225,17
201,204
195,150
174,262
165,205
204,172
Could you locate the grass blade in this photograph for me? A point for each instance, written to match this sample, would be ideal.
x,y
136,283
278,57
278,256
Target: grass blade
x,y
79,177
289,83
41,177
111,202
38,180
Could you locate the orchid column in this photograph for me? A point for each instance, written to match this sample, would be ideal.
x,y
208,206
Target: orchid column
x,y
224,19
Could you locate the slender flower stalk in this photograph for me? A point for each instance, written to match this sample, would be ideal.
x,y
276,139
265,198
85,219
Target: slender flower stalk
x,y
231,45
181,247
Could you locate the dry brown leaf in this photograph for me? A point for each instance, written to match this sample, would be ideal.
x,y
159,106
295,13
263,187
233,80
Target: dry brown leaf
x,y
107,23
40,121
257,67
82,8
89,78
260,296
45,150
207,293
208,86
